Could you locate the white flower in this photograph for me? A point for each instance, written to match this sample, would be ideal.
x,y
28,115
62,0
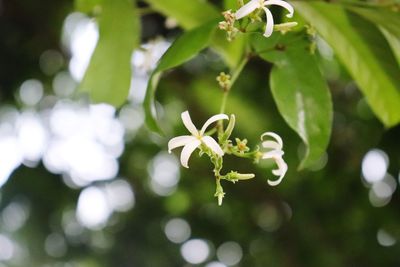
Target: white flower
x,y
256,4
276,154
191,142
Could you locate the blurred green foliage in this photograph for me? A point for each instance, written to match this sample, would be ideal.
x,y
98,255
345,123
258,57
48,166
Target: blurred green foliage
x,y
321,216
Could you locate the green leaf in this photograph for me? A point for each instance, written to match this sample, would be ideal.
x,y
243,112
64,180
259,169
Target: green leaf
x,y
231,4
189,14
394,42
388,22
193,13
303,98
362,49
381,16
183,49
108,76
87,6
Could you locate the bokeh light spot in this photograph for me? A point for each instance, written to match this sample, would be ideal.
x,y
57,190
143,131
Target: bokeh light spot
x,y
177,230
93,210
374,165
229,253
385,239
195,251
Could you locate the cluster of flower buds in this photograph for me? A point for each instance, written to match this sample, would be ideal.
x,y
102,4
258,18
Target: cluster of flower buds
x,y
228,25
216,149
252,10
224,81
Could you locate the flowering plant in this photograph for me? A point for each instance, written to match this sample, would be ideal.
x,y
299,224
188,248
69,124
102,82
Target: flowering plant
x,y
216,150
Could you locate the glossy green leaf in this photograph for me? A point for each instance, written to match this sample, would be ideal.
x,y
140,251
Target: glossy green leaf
x,y
87,6
191,14
362,49
394,42
108,76
303,98
381,16
388,22
183,49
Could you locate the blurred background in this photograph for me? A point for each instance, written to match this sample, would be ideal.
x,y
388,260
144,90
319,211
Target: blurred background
x,y
89,186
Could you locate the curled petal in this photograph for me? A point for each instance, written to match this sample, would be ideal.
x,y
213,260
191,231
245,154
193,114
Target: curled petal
x,y
272,145
187,151
269,28
213,145
187,121
179,141
281,171
275,136
247,9
211,120
283,4
273,154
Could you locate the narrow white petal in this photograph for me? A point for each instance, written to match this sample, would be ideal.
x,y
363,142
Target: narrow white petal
x,y
275,182
275,136
281,171
283,4
271,145
187,151
247,9
187,121
272,154
213,145
179,141
211,120
269,28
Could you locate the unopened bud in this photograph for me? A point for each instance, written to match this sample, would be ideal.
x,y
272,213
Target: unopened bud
x,y
225,136
285,27
234,176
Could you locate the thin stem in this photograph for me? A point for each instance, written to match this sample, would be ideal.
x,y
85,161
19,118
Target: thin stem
x,y
235,75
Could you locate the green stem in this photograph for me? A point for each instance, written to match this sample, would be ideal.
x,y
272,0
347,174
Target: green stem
x,y
235,75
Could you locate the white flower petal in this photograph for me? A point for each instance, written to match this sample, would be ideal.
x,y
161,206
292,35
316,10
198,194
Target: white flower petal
x,y
187,121
271,145
283,4
213,145
180,141
247,9
275,136
273,154
281,171
211,120
269,28
187,151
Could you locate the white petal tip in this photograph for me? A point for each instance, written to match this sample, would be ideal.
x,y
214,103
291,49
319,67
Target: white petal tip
x,y
274,183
